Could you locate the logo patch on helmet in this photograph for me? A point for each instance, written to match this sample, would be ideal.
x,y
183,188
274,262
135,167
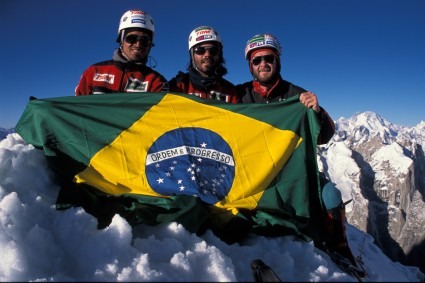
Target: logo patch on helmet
x,y
273,43
204,37
137,12
191,161
256,44
138,21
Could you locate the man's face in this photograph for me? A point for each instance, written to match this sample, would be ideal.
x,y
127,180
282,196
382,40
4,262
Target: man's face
x,y
264,66
205,58
136,45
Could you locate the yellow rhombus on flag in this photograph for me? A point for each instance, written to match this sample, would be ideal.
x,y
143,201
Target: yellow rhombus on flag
x,y
180,146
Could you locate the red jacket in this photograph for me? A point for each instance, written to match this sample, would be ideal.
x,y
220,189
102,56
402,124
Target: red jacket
x,y
221,89
119,75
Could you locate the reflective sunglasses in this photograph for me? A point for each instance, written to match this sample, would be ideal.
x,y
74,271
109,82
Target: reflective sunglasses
x,y
133,38
201,50
268,58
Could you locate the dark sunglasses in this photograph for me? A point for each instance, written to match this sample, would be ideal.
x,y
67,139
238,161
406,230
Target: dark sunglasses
x,y
133,38
201,50
268,58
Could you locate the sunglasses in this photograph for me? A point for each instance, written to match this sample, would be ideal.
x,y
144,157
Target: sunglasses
x,y
201,50
133,38
268,58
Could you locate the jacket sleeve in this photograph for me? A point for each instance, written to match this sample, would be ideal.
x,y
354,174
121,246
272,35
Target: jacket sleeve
x,y
158,83
84,86
327,127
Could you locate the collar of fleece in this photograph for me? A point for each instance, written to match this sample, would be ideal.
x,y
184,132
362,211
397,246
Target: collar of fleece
x,y
263,90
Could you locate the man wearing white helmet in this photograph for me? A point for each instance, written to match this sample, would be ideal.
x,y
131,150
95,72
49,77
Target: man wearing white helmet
x,y
127,71
263,54
206,68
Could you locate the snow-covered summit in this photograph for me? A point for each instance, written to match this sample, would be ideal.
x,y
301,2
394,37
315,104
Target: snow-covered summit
x,y
372,162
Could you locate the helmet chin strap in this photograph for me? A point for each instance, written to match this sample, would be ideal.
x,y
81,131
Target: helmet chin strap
x,y
122,36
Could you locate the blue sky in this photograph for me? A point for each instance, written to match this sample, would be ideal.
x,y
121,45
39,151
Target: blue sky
x,y
364,55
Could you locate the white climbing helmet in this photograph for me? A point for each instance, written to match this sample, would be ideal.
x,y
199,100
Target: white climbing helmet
x,y
262,41
203,34
136,19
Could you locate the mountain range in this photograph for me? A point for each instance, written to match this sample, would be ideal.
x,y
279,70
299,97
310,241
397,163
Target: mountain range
x,y
380,167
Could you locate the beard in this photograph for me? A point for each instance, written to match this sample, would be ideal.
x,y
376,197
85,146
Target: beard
x,y
207,66
266,76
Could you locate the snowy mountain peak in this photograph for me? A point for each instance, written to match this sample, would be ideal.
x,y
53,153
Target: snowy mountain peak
x,y
382,168
363,127
420,126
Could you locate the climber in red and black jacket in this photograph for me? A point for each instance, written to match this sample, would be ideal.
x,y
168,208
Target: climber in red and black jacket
x,y
127,71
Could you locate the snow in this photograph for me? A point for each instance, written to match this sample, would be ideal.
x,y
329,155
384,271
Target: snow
x,y
39,243
343,170
372,122
421,125
393,155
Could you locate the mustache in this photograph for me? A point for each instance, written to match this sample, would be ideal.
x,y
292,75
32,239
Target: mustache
x,y
209,60
265,69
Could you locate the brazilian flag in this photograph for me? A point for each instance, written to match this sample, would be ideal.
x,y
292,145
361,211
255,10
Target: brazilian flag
x,y
161,157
